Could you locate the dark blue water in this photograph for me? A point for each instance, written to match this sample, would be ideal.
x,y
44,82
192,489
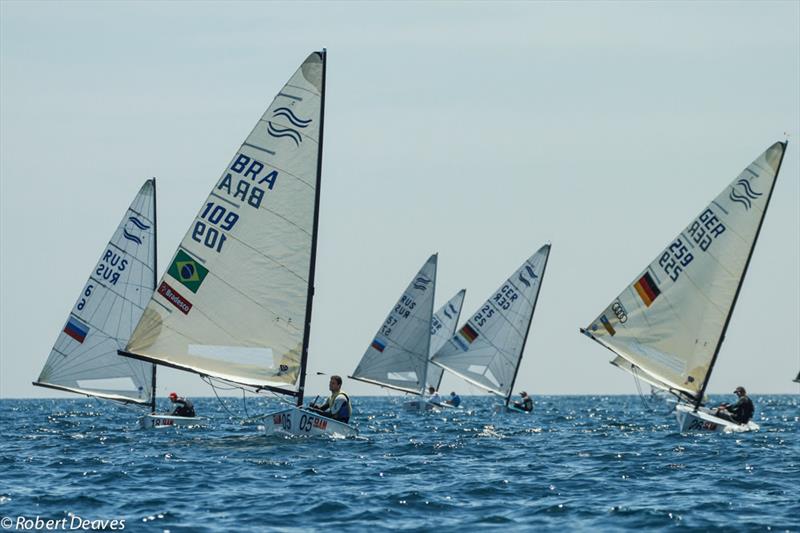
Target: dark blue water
x,y
579,462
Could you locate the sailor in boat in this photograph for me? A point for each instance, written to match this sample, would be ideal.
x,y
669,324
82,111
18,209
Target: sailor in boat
x,y
183,407
454,399
741,412
526,404
337,406
434,398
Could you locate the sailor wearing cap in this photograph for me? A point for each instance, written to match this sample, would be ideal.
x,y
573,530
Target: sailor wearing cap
x,y
526,404
183,407
741,412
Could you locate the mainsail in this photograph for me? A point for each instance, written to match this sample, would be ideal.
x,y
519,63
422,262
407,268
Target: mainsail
x,y
669,323
398,355
487,350
84,358
443,327
235,301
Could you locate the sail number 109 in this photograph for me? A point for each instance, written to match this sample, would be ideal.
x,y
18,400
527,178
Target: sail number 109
x,y
209,235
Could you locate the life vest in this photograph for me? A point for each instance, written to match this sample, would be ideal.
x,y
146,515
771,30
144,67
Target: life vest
x,y
345,412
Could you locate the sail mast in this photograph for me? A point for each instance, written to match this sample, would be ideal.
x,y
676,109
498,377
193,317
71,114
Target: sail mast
x,y
530,320
155,283
312,266
699,398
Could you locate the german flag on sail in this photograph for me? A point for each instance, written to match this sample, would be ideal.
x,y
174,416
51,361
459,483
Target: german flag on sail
x,y
647,289
468,333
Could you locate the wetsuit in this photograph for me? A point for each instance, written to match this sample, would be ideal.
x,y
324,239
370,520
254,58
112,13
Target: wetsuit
x,y
183,407
741,412
526,405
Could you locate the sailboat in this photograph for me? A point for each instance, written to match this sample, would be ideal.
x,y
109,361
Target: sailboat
x,y
668,325
797,379
443,327
235,302
84,357
399,355
487,350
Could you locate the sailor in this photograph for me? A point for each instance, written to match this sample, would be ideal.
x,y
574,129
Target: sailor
x,y
183,407
434,397
741,412
337,406
526,404
454,399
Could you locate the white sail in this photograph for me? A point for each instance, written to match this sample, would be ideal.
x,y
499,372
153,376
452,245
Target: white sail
x,y
669,322
625,365
487,350
84,358
397,357
233,302
443,327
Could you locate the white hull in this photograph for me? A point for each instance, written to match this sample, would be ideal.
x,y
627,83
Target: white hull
x,y
704,420
157,421
295,421
422,405
502,408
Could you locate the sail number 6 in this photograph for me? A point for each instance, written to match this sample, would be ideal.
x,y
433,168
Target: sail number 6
x,y
86,294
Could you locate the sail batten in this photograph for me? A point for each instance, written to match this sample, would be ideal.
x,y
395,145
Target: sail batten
x,y
670,321
398,355
84,357
487,350
235,301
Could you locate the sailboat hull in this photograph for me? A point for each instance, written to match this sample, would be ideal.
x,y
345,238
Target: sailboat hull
x,y
502,408
422,405
157,421
297,422
704,420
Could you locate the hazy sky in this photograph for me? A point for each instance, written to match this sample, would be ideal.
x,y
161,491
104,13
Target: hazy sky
x,y
476,130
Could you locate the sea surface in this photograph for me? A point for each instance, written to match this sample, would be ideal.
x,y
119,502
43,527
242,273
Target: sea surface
x,y
606,463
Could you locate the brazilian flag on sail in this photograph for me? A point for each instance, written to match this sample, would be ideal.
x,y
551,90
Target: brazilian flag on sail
x,y
188,271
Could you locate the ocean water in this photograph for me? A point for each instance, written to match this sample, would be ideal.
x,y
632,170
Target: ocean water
x,y
578,463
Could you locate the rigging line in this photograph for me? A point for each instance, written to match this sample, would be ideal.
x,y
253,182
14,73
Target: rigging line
x,y
244,404
213,388
641,394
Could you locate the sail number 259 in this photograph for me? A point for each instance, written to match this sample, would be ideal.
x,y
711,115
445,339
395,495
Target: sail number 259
x,y
209,235
675,258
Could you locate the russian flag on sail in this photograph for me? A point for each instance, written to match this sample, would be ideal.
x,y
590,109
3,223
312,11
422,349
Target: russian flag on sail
x,y
378,345
76,329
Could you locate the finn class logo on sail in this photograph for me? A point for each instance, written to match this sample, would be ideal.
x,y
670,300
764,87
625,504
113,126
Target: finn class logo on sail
x,y
746,196
287,131
130,236
531,273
